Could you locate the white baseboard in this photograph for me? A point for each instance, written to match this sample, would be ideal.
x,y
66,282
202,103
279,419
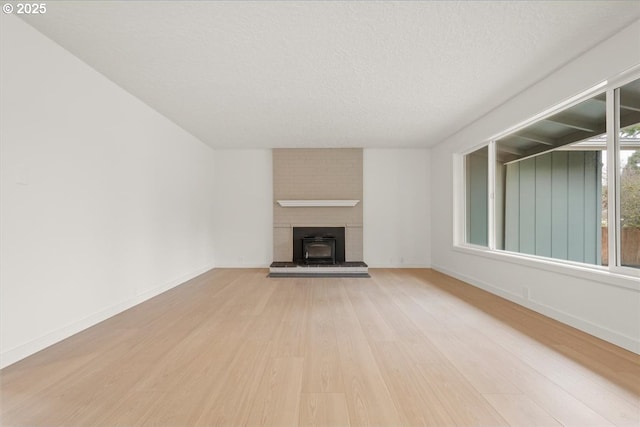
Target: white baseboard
x,y
232,265
609,335
235,265
18,353
399,265
248,266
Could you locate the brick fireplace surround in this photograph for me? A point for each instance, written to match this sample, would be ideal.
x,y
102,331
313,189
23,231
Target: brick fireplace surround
x,y
317,174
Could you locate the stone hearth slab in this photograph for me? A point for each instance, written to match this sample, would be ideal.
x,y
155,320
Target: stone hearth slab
x,y
346,269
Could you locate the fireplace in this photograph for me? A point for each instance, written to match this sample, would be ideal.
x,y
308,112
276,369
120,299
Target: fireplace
x,y
318,245
319,250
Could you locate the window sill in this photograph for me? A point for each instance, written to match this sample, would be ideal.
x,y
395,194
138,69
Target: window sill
x,y
568,268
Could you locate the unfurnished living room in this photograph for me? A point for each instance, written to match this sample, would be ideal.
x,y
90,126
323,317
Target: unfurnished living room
x,y
320,213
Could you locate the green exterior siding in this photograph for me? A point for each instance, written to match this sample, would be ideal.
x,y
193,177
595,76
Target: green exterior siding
x,y
559,205
552,206
528,206
477,166
543,206
576,206
512,208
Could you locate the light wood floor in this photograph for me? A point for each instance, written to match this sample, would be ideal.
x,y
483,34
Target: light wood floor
x,y
406,347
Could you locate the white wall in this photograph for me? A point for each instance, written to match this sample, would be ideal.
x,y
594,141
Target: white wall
x,y
244,208
104,202
396,207
602,305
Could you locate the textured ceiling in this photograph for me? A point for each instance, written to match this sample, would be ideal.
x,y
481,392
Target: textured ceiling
x,y
328,74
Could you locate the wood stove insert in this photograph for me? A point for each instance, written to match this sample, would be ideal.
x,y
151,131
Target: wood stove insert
x,y
318,245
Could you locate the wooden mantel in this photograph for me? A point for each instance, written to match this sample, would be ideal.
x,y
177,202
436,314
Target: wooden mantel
x,y
317,203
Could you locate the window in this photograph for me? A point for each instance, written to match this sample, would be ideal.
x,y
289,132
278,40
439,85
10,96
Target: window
x,y
552,185
554,197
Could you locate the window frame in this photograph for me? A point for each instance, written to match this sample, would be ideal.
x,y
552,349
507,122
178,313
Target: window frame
x,y
613,145
615,273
